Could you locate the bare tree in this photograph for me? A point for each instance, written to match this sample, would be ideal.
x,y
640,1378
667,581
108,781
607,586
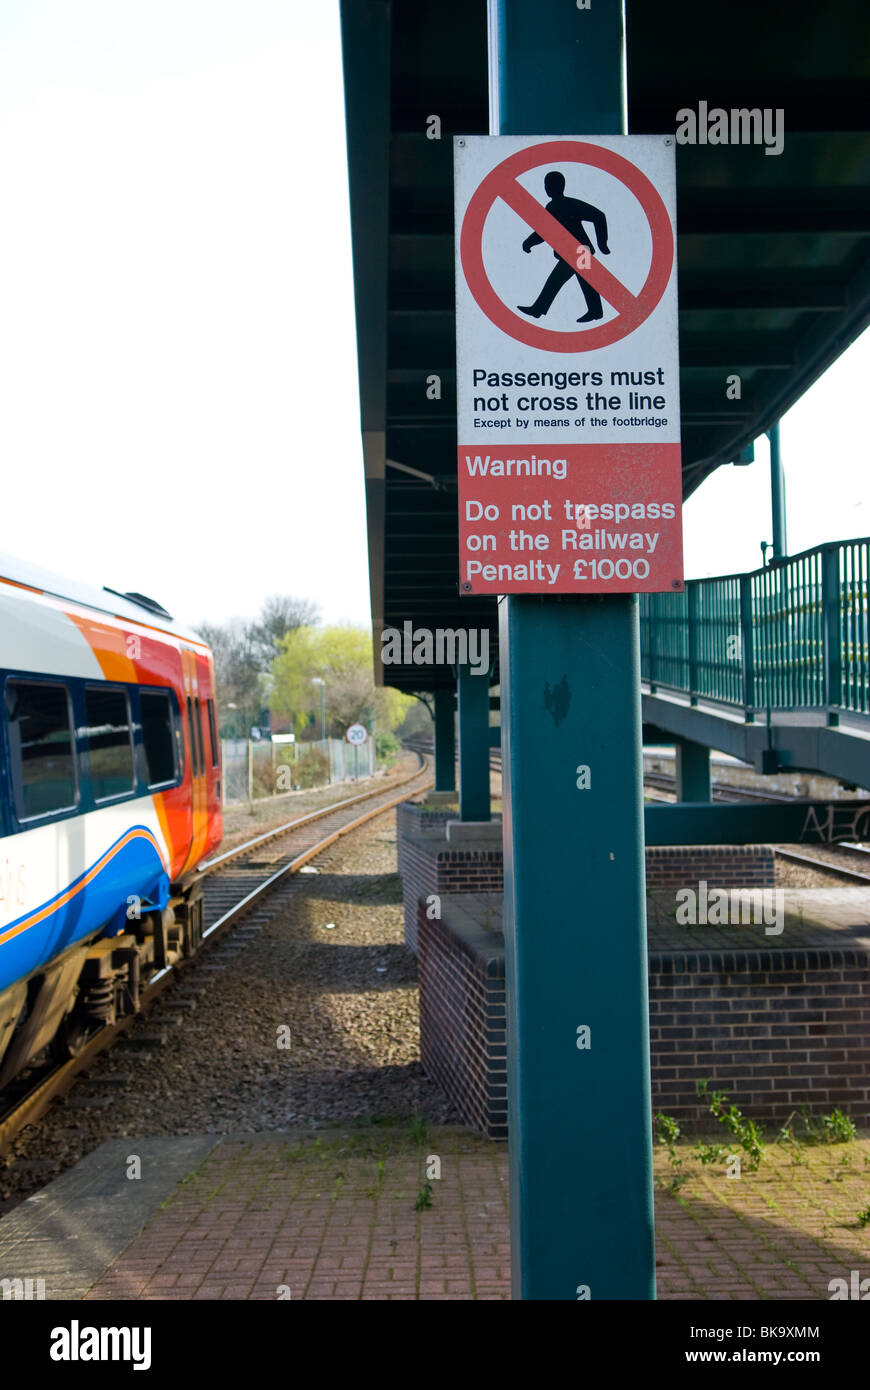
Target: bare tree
x,y
280,614
244,652
237,666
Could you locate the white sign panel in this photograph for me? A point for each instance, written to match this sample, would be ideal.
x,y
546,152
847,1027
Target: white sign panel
x,y
567,365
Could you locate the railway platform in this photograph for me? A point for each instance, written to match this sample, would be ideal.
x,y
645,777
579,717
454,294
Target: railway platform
x,y
412,1208
335,1216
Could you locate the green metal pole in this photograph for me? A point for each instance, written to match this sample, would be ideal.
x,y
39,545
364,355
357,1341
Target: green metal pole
x,y
832,608
693,770
692,597
777,495
575,924
747,648
322,685
445,742
473,746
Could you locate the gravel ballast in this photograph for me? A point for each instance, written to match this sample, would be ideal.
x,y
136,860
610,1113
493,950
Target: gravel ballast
x,y
321,964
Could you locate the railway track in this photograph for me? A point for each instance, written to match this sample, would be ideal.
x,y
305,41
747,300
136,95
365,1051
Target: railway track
x,y
238,877
663,783
720,791
827,866
235,881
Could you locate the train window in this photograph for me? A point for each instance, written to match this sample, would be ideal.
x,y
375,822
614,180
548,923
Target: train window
x,y
199,739
158,736
191,733
42,748
212,733
109,743
181,751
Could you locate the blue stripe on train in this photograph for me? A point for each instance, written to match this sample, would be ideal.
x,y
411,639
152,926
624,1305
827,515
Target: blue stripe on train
x,y
134,868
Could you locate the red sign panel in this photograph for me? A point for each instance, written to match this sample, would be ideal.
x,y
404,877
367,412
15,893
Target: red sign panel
x,y
576,519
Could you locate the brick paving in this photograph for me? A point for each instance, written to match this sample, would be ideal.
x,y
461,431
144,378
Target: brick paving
x,y
829,918
332,1213
69,1233
333,1217
328,1217
783,1232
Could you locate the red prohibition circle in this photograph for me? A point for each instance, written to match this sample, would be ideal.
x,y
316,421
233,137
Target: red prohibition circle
x,y
576,152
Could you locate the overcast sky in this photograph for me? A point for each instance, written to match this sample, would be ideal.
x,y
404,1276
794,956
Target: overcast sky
x,y
179,409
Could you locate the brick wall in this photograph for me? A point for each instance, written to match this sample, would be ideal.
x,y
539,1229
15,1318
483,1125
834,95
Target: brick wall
x,y
721,866
429,864
774,1029
412,817
462,1012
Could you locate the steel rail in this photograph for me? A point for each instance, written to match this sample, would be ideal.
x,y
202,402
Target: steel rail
x,y
823,865
209,865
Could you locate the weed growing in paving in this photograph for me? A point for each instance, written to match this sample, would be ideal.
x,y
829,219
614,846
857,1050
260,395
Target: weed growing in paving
x,y
667,1133
418,1129
791,1144
835,1128
380,1169
864,1217
424,1197
711,1153
745,1131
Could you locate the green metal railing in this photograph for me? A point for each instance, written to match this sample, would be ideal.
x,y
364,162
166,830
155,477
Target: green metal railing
x,y
794,635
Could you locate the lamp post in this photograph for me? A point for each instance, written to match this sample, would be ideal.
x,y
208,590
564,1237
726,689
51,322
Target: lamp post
x,y
318,680
777,495
369,719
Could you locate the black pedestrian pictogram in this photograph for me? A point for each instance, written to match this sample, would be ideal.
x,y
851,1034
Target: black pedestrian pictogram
x,y
571,213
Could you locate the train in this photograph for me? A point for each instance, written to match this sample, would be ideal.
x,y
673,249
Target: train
x,y
110,799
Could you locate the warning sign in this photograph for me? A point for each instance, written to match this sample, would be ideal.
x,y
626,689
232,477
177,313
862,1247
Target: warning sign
x,y
567,368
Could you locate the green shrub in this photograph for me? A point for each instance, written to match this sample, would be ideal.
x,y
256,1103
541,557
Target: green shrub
x,y
386,746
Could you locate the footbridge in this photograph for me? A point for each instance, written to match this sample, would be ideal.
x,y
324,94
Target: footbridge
x,y
772,667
